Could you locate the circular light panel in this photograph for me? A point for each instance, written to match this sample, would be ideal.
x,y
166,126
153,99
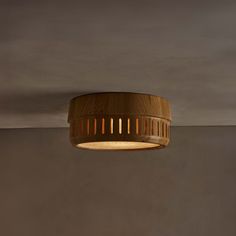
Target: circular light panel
x,y
117,145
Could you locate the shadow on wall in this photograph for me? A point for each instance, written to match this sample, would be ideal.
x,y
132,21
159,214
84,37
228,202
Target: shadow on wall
x,y
37,103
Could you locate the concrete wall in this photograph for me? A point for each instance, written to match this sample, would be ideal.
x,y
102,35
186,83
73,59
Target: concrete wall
x,y
49,188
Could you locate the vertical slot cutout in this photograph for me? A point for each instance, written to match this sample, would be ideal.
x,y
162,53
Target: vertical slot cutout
x,y
166,131
103,126
163,129
87,126
120,126
95,126
146,126
128,125
157,127
111,125
137,125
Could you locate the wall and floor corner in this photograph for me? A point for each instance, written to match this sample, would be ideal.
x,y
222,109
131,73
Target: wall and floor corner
x,y
50,188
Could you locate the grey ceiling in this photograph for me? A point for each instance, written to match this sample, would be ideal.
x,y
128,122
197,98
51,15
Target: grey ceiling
x,y
52,51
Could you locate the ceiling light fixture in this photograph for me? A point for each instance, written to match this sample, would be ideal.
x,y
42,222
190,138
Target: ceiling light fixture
x,y
119,121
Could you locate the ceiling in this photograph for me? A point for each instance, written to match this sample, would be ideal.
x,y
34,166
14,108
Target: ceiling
x,y
51,51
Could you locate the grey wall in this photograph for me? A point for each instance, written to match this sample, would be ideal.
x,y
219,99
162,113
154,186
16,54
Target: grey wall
x,y
50,188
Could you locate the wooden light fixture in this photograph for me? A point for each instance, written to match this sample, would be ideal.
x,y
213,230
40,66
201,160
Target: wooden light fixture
x,y
119,121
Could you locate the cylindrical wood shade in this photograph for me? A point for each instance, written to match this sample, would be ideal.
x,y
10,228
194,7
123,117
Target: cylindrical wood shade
x,y
119,121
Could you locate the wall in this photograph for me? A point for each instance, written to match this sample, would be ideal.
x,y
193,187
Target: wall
x,y
51,188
